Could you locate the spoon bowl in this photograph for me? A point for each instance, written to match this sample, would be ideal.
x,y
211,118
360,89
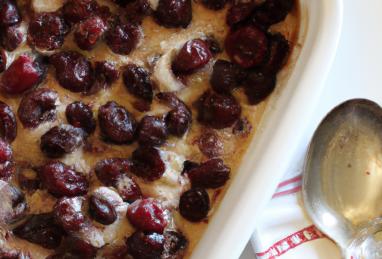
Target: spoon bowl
x,y
342,183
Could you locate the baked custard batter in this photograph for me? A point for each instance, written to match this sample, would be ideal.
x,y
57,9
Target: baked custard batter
x,y
122,121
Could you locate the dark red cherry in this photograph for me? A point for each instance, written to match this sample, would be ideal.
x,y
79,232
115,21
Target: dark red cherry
x,y
152,131
145,245
12,37
192,56
62,180
22,75
110,170
121,2
214,4
218,111
239,12
136,10
148,215
148,163
61,140
123,38
73,71
226,76
174,13
38,106
78,10
47,31
258,86
272,11
175,244
102,210
104,12
80,115
106,72
3,60
279,50
116,123
8,124
247,46
194,204
179,119
68,213
210,144
42,230
128,189
188,165
138,83
210,174
5,151
89,32
9,13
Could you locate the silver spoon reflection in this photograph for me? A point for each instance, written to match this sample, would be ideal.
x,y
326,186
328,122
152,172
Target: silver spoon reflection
x,y
342,183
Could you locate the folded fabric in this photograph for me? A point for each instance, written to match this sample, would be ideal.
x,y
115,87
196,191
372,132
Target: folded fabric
x,y
285,231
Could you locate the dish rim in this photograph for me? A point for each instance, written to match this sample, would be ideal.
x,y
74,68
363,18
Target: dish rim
x,y
233,222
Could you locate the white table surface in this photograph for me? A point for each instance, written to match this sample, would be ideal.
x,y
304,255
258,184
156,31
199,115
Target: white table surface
x,y
357,69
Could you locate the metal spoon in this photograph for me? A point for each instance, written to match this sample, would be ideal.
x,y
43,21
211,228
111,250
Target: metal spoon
x,y
342,183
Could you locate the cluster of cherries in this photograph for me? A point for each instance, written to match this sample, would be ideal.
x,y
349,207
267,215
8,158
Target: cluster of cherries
x,y
256,57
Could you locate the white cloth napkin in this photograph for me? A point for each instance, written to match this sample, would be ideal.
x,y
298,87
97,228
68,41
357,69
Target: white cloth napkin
x,y
285,231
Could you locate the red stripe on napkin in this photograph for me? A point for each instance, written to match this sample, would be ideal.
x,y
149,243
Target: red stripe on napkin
x,y
287,192
289,186
281,247
289,181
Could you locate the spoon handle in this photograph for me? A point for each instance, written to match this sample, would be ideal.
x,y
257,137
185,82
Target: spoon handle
x,y
368,249
367,244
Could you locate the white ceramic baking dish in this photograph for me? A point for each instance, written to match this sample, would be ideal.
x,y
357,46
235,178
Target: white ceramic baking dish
x,y
271,150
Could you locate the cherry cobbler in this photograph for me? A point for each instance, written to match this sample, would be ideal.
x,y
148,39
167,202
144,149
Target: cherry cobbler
x,y
123,121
